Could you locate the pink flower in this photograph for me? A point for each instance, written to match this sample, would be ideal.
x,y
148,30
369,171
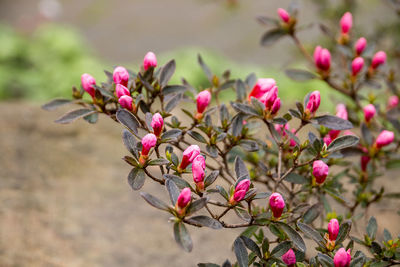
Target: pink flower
x,y
342,258
364,162
333,229
121,76
277,204
284,15
270,97
276,106
150,60
203,99
261,87
341,111
346,22
384,138
189,155
328,139
357,65
322,58
279,128
369,112
198,166
378,59
313,102
148,142
184,198
87,83
121,90
241,189
360,45
126,102
157,123
289,258
393,101
320,171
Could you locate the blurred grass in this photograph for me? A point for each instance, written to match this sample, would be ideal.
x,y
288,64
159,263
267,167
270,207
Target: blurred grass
x,y
49,62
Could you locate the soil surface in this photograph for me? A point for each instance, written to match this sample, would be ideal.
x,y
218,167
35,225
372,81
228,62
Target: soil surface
x,y
66,201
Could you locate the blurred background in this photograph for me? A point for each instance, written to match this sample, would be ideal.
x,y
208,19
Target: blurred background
x,y
65,199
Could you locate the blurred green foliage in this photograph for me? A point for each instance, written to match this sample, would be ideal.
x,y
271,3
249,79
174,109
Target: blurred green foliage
x,y
47,63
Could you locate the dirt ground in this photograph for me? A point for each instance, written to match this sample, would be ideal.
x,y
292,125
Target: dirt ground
x,y
65,200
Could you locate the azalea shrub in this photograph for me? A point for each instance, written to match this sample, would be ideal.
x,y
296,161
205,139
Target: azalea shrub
x,y
282,174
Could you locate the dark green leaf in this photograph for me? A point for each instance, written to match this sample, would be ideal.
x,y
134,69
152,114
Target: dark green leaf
x,y
333,122
358,261
129,142
240,168
170,135
281,249
227,264
250,244
343,142
344,231
181,183
182,237
173,102
207,265
237,125
245,109
296,178
298,242
74,115
196,136
173,89
155,202
55,103
372,227
128,120
205,221
196,205
166,73
212,150
222,191
158,161
241,252
311,214
136,178
366,134
386,235
249,145
173,190
311,233
205,68
240,90
325,260
92,118
376,248
272,36
300,75
211,178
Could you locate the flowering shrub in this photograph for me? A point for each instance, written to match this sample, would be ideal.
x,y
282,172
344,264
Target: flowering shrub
x,y
248,158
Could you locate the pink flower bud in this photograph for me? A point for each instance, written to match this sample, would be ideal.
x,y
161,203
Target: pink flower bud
x,y
126,102
184,198
328,139
269,98
322,58
360,45
279,128
357,65
320,171
393,101
292,143
121,76
378,59
346,22
364,162
313,102
87,83
384,138
342,258
333,229
277,204
203,99
157,123
276,106
198,166
284,15
369,112
241,189
148,142
261,87
341,111
189,155
289,258
150,60
121,90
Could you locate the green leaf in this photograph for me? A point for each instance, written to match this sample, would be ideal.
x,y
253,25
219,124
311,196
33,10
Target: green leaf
x,y
207,265
358,261
136,178
173,89
173,102
380,264
250,244
343,142
249,231
344,231
296,178
272,36
196,136
182,237
205,68
55,103
173,190
249,145
74,115
393,164
130,142
166,73
92,118
155,202
205,221
240,90
311,233
300,75
311,214
241,252
128,120
170,135
281,249
196,205
372,227
158,161
386,235
211,178
212,150
222,191
298,242
227,264
181,183
366,134
240,168
325,260
237,125
245,109
333,122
